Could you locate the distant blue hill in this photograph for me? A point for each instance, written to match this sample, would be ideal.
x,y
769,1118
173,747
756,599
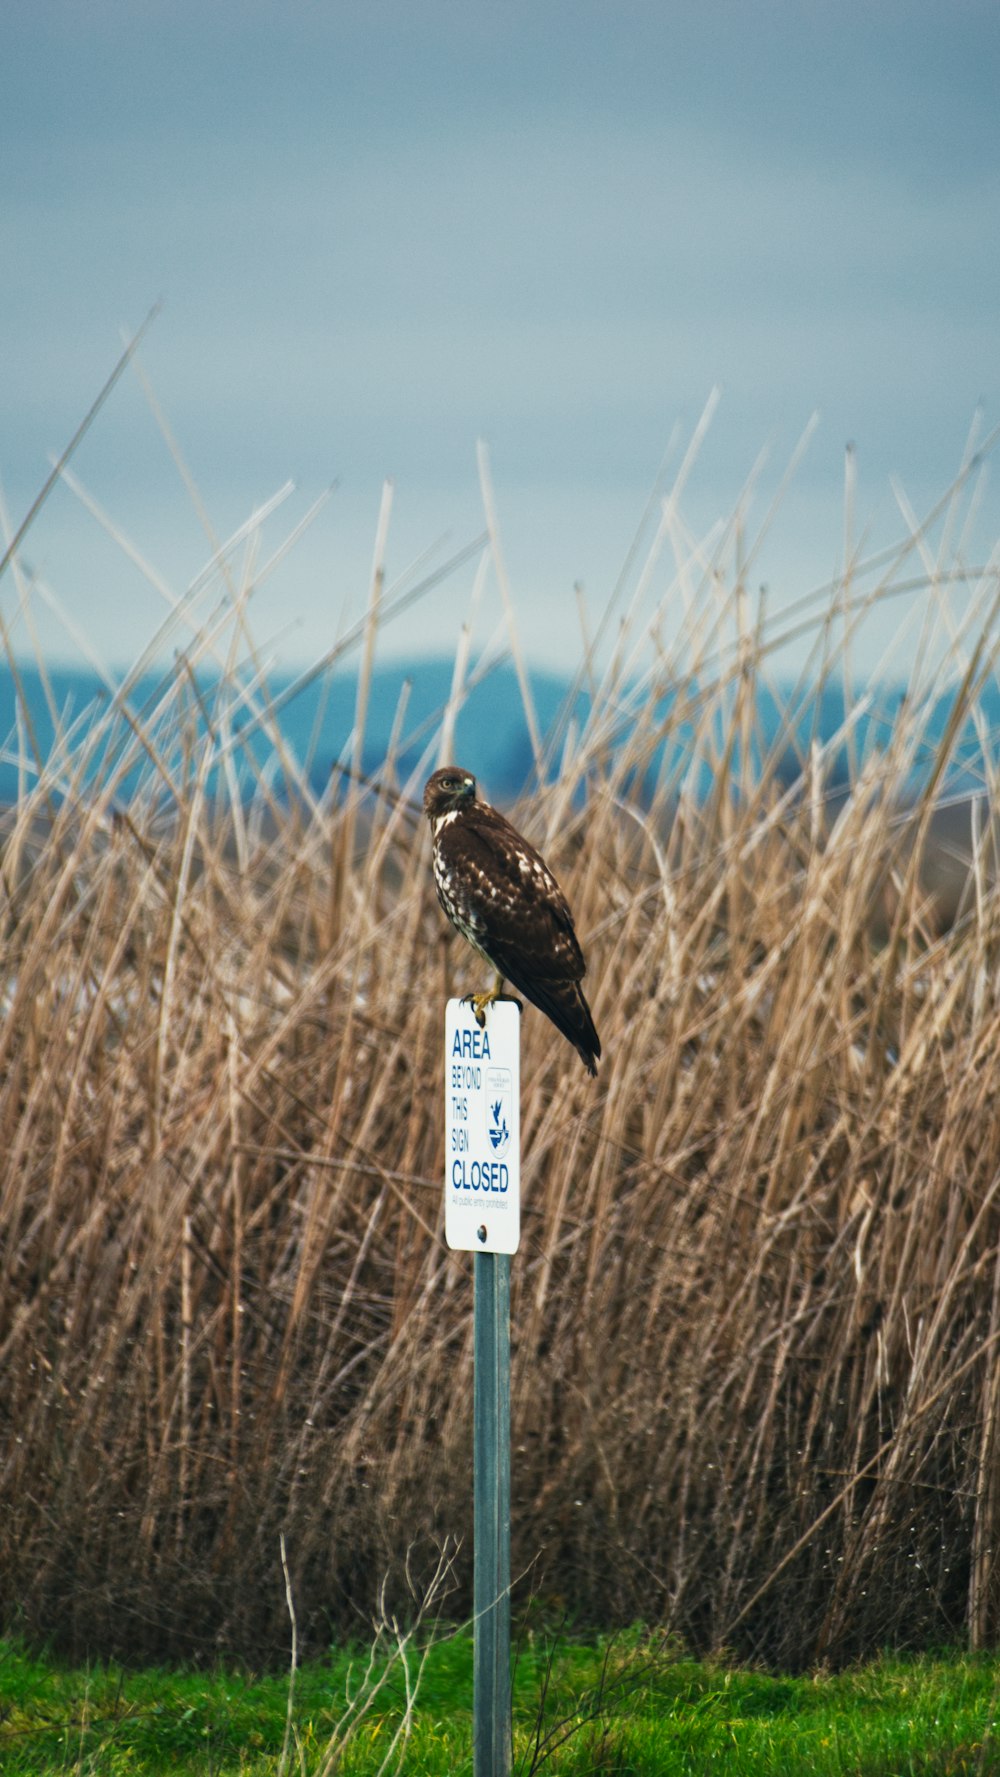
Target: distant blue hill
x,y
491,736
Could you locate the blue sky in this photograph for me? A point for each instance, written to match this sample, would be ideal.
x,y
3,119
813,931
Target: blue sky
x,y
383,232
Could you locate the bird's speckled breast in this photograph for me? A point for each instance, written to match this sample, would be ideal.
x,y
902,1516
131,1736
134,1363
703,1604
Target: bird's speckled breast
x,y
452,890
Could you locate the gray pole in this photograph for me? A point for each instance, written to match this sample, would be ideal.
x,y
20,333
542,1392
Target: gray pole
x,y
491,1531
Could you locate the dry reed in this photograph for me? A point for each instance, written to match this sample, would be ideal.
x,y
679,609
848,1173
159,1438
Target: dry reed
x,y
756,1313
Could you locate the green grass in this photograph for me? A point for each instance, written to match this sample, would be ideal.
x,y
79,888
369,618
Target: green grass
x,y
627,1706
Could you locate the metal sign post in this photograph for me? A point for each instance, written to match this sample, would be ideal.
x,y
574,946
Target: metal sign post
x,y
482,1215
491,1586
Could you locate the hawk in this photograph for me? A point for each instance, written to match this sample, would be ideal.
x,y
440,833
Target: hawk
x,y
505,900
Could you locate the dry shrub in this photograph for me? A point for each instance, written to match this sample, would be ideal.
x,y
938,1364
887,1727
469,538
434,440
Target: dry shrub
x,y
756,1311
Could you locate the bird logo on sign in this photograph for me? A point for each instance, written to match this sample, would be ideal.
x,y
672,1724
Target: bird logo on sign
x,y
498,1102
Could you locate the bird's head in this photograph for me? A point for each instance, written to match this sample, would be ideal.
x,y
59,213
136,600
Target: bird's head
x,y
447,790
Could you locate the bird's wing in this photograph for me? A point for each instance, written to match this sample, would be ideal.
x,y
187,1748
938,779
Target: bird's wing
x,y
511,898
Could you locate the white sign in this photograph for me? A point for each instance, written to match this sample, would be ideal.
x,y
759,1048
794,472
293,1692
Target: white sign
x,y
482,1128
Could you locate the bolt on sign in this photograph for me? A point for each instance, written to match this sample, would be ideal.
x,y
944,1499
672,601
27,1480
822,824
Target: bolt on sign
x,y
482,1128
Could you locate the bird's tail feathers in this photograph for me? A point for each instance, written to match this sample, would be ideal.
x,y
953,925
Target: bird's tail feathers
x,y
565,1004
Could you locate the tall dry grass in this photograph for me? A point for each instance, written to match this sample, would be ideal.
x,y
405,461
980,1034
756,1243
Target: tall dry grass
x,y
756,1311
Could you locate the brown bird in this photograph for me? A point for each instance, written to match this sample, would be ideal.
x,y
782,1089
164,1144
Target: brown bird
x,y
505,900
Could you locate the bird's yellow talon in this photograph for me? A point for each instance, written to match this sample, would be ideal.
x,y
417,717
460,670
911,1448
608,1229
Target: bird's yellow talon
x,y
480,1001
